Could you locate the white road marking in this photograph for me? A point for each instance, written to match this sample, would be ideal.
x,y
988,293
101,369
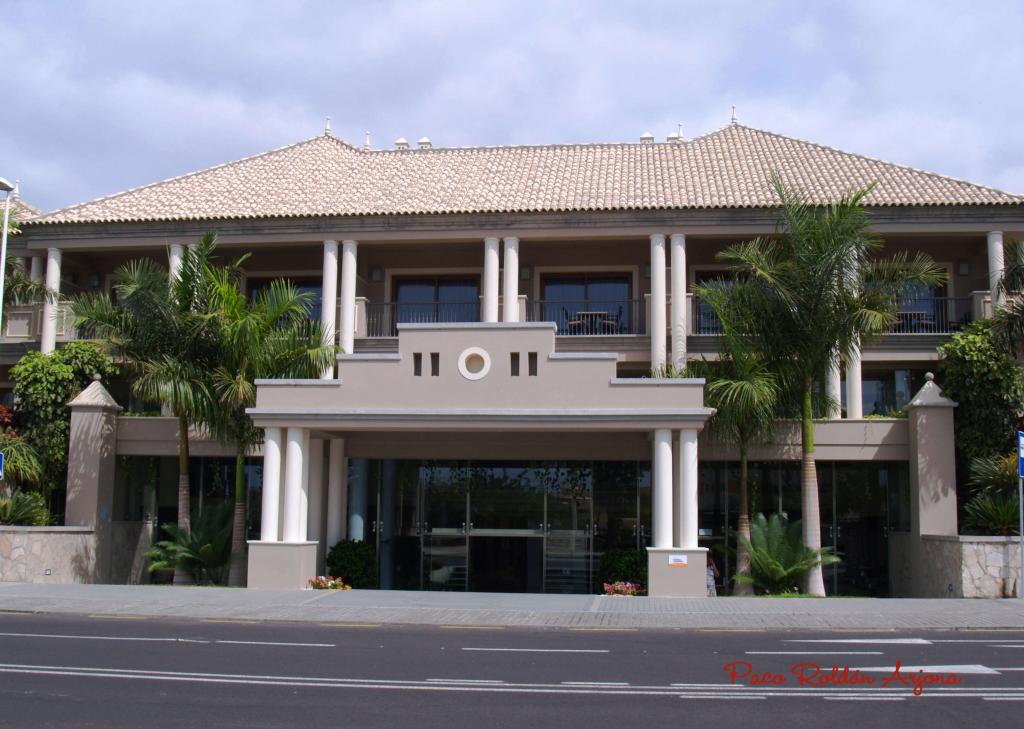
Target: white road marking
x,y
973,668
865,698
880,641
163,640
814,653
977,640
722,698
1004,698
541,650
595,683
1006,646
260,642
466,680
102,637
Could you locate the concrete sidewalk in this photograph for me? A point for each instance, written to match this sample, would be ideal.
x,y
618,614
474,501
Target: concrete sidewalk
x,y
450,608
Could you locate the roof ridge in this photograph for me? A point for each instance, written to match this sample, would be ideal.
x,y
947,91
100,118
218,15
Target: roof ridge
x,y
42,218
869,158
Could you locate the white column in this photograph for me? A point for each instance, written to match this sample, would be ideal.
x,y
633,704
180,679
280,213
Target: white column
x,y
510,300
329,298
270,512
36,269
490,288
995,264
175,252
657,323
834,388
678,252
688,501
337,491
294,458
304,488
48,340
661,482
348,295
854,404
316,490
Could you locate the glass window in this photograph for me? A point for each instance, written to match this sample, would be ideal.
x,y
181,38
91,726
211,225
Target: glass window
x,y
312,286
588,304
437,300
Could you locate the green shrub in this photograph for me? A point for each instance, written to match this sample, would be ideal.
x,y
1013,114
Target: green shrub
x,y
43,386
623,565
992,514
24,508
778,557
203,551
989,387
354,562
994,473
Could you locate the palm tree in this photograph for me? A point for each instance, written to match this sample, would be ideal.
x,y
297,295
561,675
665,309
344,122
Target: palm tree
x,y
810,294
271,336
160,329
1008,318
744,391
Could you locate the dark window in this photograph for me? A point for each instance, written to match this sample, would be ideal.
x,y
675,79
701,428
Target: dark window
x,y
433,300
533,364
604,300
514,364
417,364
435,364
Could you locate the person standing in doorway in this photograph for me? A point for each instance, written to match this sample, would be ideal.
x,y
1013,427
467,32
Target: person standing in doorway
x,y
712,576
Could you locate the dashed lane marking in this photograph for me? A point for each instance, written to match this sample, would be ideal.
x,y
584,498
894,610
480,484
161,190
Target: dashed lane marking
x,y
350,625
814,653
472,627
100,616
541,650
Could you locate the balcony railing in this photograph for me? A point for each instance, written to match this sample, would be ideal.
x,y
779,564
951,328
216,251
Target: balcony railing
x,y
936,315
382,318
24,323
591,318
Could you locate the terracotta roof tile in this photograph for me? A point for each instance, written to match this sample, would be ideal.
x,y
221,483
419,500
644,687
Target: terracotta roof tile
x,y
324,176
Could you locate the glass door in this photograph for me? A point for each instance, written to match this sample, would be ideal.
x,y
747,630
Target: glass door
x,y
444,552
861,529
569,530
506,507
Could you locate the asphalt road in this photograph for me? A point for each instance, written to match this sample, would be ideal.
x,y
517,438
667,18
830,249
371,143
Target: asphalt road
x,y
106,672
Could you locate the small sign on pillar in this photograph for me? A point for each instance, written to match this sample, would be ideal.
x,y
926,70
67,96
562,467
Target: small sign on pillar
x,y
677,560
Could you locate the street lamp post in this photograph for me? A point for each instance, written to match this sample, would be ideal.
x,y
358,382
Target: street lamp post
x,y
9,190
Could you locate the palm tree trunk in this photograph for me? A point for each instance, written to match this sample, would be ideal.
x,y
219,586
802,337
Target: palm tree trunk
x,y
181,576
815,582
236,570
743,528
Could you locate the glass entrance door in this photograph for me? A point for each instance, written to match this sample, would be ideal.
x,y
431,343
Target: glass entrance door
x,y
861,529
506,506
444,554
569,530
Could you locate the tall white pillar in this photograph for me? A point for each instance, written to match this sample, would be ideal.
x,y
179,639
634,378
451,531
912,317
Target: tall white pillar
x,y
490,288
294,459
510,300
854,401
337,491
657,322
48,340
661,482
679,327
175,252
995,264
36,268
304,488
314,528
329,299
348,296
834,389
688,499
270,513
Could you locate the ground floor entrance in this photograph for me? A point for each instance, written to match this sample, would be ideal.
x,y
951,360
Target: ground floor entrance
x,y
490,526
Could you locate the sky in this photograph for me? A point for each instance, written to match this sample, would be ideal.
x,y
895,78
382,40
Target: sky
x,y
101,96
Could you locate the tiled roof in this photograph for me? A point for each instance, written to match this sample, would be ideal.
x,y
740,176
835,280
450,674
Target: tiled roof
x,y
22,210
324,176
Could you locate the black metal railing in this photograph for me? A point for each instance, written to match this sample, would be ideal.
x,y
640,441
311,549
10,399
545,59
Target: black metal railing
x,y
935,315
703,317
591,318
382,319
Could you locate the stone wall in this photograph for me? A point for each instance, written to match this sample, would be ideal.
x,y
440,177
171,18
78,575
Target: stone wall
x,y
69,554
47,554
953,566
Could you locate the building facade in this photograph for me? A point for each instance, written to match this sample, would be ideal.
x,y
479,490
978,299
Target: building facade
x,y
492,422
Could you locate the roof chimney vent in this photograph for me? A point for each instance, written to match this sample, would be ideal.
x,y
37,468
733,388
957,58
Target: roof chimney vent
x,y
646,138
425,143
676,136
401,143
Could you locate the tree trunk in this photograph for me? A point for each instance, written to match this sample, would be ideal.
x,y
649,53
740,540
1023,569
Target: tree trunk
x,y
743,529
236,570
181,576
814,580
